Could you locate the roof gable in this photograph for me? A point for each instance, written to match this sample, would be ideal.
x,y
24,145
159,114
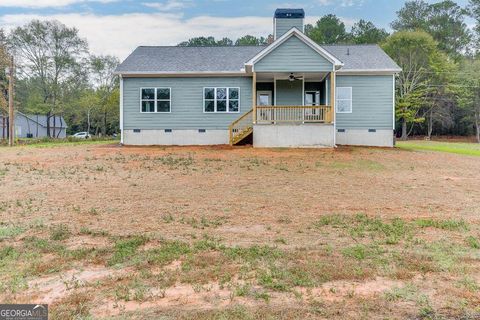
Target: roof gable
x,y
304,41
293,55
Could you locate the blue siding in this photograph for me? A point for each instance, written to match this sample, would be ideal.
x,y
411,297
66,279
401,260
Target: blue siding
x,y
186,103
289,93
372,104
282,26
293,56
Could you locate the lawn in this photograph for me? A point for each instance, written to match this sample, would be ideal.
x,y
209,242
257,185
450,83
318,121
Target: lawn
x,y
47,142
107,232
471,149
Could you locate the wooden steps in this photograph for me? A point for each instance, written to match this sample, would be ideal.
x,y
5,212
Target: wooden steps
x,y
241,128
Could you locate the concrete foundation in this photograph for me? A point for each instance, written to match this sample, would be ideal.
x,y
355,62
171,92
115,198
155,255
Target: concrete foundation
x,y
175,137
293,136
362,137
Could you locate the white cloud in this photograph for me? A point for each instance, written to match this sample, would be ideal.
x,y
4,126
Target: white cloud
x,y
120,34
169,5
45,3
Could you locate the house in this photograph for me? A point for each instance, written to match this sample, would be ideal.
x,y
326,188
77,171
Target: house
x,y
291,93
33,126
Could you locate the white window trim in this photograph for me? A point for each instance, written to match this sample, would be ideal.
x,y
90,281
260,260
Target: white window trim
x,y
156,100
337,99
215,100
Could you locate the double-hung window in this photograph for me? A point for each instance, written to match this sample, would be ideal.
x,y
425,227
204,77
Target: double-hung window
x,y
155,100
221,100
344,100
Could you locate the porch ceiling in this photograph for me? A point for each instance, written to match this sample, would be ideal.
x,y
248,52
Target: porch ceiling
x,y
309,76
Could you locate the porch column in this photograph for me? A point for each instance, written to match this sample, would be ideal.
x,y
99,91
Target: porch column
x,y
332,97
254,97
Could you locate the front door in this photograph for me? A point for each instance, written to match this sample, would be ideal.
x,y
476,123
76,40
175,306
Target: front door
x,y
312,98
264,98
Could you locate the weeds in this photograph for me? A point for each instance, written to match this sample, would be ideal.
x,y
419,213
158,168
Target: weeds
x,y
10,231
59,232
176,162
361,225
473,242
451,225
126,248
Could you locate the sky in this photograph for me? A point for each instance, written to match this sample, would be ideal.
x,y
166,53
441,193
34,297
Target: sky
x,y
117,27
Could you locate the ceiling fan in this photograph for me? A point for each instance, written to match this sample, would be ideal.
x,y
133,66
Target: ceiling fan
x,y
292,77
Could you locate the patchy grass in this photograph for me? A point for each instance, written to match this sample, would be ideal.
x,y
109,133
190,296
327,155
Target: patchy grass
x,y
59,232
49,142
126,248
470,149
453,225
10,231
239,233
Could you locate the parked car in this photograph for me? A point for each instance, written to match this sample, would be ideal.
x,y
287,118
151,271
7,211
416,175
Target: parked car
x,y
82,135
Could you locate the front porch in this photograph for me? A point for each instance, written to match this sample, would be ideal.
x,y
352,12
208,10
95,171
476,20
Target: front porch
x,y
289,109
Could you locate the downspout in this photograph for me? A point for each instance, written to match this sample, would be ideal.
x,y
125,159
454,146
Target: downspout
x,y
121,109
333,87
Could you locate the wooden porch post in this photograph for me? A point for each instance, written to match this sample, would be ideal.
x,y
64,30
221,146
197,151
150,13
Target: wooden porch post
x,y
332,97
254,97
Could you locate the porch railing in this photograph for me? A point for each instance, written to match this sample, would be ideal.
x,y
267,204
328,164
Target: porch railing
x,y
293,114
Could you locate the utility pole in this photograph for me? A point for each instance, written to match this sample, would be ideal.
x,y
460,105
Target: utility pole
x,y
11,122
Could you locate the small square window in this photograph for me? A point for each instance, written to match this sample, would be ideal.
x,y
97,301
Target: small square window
x,y
209,106
155,100
209,93
163,94
163,106
233,93
233,106
148,94
148,106
221,105
222,93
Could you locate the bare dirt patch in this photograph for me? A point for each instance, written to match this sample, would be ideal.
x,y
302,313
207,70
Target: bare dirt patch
x,y
197,232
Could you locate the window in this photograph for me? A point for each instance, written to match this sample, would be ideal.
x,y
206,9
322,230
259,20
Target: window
x,y
221,100
344,100
155,100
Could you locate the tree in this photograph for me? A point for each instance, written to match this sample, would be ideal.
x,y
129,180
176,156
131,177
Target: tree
x,y
475,14
470,92
249,40
444,20
206,42
102,69
4,62
416,53
447,26
413,16
48,51
441,93
366,32
328,30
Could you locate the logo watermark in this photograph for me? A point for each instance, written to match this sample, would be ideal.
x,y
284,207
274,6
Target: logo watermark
x,y
23,312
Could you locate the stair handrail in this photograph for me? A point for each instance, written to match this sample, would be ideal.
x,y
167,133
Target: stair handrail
x,y
234,123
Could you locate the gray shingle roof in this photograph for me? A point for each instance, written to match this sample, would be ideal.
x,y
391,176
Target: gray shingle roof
x,y
362,57
232,59
188,59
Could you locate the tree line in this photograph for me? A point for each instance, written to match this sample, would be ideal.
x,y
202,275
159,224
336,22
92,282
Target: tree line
x,y
438,91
